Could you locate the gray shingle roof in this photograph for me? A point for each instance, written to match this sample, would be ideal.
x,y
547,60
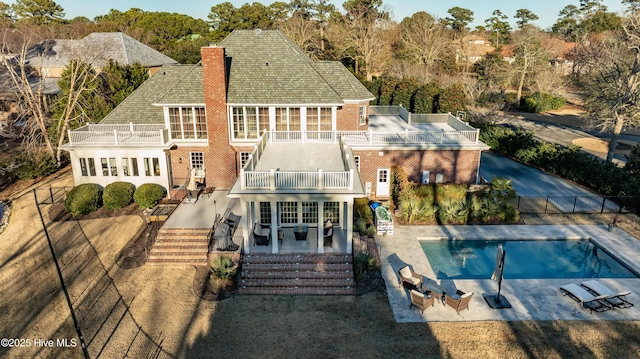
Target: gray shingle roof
x,y
97,48
188,90
266,68
342,81
139,108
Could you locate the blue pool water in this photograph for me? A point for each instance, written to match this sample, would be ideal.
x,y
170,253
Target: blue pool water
x,y
526,259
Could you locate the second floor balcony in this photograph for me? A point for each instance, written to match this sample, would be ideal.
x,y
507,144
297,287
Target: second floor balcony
x,y
300,166
118,135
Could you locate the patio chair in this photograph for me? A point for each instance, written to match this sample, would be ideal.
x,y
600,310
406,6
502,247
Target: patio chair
x,y
421,301
459,301
328,233
410,279
586,299
616,299
261,235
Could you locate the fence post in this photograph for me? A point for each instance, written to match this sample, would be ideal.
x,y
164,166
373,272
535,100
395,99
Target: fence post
x,y
546,205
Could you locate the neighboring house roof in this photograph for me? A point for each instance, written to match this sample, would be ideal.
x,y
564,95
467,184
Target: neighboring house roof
x,y
96,48
266,68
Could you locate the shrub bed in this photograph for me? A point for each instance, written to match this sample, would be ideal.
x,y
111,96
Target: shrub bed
x,y
148,195
118,195
83,199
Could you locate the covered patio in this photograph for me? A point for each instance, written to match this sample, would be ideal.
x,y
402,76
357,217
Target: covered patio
x,y
289,243
289,188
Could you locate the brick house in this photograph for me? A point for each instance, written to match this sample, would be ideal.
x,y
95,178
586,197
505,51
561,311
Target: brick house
x,y
293,139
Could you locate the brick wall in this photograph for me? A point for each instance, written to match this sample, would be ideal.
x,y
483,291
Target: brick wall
x,y
455,166
347,117
219,157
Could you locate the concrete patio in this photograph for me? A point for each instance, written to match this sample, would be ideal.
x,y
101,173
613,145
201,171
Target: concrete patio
x,y
531,299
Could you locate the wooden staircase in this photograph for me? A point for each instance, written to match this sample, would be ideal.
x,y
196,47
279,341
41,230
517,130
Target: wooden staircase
x,y
180,246
297,274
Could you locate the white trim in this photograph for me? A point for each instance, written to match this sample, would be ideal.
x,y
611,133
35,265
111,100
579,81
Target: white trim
x,y
359,101
179,104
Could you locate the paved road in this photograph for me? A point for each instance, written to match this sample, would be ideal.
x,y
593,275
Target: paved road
x,y
527,181
563,129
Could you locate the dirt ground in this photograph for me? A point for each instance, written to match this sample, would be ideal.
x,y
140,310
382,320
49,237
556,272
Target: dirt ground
x,y
158,303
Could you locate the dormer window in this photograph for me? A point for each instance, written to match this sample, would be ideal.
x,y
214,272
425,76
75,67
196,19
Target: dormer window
x,y
187,123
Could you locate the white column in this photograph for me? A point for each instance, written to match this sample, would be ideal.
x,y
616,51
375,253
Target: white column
x,y
274,226
349,219
245,226
320,227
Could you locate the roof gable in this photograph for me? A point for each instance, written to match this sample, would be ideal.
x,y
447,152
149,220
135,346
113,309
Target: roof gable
x,y
266,67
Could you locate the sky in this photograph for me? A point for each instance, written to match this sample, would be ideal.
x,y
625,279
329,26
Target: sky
x,y
547,10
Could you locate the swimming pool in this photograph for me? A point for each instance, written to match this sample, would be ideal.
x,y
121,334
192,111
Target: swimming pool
x,y
525,259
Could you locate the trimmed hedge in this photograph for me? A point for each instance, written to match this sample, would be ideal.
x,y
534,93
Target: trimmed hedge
x,y
568,162
83,199
118,195
148,195
541,102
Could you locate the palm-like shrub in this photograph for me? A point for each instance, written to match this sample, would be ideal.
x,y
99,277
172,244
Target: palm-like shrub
x,y
453,211
118,195
148,195
223,267
365,263
83,199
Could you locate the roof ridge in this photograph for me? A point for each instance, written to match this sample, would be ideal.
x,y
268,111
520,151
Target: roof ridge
x,y
126,53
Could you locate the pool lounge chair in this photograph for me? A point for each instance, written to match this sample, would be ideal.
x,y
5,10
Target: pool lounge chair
x,y
421,301
409,278
616,299
586,299
458,301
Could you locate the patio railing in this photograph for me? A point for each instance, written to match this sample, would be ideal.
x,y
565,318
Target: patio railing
x,y
275,180
119,134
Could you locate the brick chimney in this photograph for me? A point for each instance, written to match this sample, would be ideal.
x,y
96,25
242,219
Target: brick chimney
x,y
220,158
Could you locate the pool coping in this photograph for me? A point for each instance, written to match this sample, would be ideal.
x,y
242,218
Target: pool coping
x,y
532,299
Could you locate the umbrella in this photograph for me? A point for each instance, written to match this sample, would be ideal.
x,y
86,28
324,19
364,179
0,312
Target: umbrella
x,y
497,301
192,181
497,273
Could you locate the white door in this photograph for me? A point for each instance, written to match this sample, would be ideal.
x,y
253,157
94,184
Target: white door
x,y
382,187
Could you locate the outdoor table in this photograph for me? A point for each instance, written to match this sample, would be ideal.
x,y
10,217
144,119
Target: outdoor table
x,y
301,232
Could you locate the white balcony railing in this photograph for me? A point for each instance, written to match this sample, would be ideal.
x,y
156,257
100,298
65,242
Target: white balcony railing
x,y
125,134
275,180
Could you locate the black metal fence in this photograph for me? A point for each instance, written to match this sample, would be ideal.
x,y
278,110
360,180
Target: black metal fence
x,y
102,318
575,204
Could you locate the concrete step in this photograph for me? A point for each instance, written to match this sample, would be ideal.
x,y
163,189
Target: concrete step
x,y
195,256
298,282
296,258
167,261
186,231
319,267
257,274
296,291
297,274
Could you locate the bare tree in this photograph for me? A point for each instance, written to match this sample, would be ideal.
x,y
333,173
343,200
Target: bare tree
x,y
364,34
28,88
302,31
530,56
27,73
608,74
423,40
